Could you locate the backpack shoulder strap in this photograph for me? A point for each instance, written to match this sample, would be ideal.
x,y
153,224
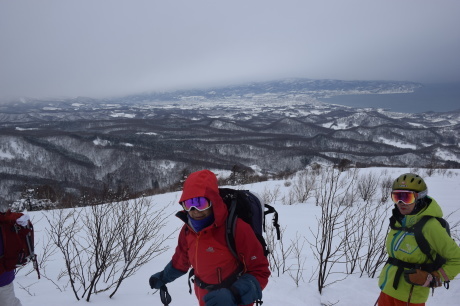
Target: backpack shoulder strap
x,y
230,228
420,239
444,224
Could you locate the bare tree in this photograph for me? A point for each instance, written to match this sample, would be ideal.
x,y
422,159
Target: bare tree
x,y
354,233
103,245
376,230
270,195
432,165
296,270
385,189
303,186
278,253
289,199
367,186
332,192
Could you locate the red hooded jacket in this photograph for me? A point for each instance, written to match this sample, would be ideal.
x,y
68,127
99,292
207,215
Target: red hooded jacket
x,y
207,251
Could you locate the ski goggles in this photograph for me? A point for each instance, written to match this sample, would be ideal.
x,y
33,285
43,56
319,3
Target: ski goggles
x,y
407,196
200,203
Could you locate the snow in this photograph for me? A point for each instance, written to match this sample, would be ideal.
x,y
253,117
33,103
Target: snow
x,y
446,155
6,155
122,115
101,142
25,129
296,219
166,164
147,133
338,126
416,124
397,143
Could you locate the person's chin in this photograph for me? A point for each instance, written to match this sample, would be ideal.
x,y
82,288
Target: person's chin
x,y
198,217
405,211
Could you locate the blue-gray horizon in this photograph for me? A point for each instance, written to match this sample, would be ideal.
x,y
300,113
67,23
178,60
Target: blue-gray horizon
x,y
100,49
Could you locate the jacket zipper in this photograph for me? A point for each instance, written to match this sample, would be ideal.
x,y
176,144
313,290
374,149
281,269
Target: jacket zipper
x,y
196,252
219,275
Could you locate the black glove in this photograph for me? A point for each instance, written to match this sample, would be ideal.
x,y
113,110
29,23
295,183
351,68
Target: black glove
x,y
155,280
220,297
169,273
244,291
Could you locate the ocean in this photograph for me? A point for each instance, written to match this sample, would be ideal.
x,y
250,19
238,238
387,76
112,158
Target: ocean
x,y
430,97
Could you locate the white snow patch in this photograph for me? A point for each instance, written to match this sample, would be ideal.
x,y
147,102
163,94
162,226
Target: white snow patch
x,y
122,115
416,124
447,155
147,133
397,143
25,129
6,155
101,142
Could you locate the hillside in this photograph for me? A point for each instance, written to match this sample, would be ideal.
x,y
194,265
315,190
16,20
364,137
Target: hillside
x,y
146,142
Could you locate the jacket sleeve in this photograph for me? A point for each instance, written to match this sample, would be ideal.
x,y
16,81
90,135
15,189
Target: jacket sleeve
x,y
251,253
444,245
180,260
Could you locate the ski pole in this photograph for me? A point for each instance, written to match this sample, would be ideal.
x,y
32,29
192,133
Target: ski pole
x,y
164,295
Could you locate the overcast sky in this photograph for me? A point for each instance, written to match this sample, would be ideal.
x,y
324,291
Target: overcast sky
x,y
96,48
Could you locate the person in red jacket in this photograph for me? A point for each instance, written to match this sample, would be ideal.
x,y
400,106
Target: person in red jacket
x,y
7,296
220,278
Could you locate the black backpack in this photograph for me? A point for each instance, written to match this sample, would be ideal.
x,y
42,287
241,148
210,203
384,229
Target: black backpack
x,y
247,206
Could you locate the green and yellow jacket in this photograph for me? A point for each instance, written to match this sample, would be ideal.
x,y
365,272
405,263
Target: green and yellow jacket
x,y
402,245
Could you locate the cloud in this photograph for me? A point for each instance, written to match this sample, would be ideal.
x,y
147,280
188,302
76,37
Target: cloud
x,y
56,48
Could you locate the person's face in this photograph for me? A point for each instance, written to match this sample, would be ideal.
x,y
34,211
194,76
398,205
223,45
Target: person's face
x,y
199,215
405,209
405,200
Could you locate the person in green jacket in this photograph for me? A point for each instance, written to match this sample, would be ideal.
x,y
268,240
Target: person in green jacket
x,y
409,273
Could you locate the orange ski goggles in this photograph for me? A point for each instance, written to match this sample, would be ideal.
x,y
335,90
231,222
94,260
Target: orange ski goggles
x,y
407,196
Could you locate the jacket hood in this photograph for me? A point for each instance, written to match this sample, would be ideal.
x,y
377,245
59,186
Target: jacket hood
x,y
432,209
204,184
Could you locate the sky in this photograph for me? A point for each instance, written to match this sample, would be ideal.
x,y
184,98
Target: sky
x,y
297,220
55,48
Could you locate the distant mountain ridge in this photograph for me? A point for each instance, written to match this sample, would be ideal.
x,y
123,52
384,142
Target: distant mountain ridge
x,y
148,141
297,86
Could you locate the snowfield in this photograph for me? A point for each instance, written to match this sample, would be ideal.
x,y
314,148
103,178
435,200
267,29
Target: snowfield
x,y
299,220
